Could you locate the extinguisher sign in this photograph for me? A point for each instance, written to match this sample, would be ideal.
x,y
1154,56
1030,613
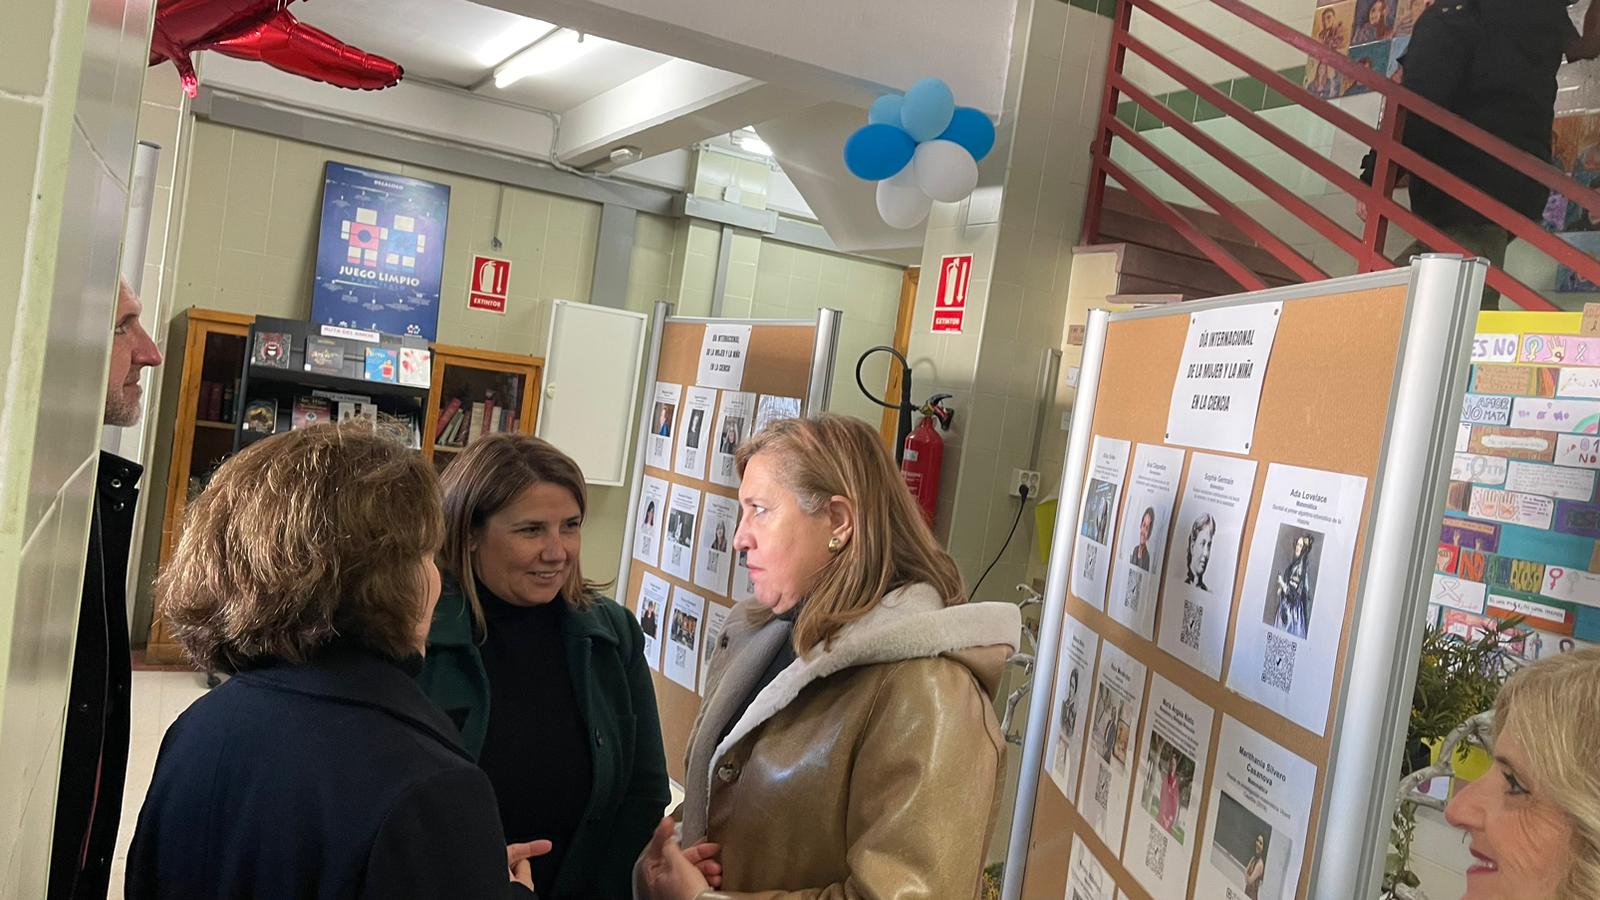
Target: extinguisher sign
x,y
491,281
950,305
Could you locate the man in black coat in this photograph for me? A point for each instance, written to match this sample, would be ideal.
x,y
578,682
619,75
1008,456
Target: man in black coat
x,y
1494,63
94,750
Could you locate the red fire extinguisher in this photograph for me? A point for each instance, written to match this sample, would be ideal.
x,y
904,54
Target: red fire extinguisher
x,y
924,455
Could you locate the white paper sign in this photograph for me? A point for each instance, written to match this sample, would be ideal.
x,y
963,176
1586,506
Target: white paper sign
x,y
1458,593
770,408
1166,797
1578,450
1296,590
722,355
1579,383
1079,645
1113,740
743,587
1091,559
1494,348
733,426
677,551
1256,822
713,565
1568,416
1485,409
1550,481
1571,585
1531,608
653,594
663,421
694,427
1142,545
682,661
647,525
1205,560
1086,878
716,618
1511,508
1463,437
1218,390
1478,469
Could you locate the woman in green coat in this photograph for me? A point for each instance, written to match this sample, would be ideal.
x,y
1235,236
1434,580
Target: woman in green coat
x,y
545,677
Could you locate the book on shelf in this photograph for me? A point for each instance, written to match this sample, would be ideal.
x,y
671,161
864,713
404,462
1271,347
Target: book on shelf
x,y
271,349
227,402
458,424
488,412
324,356
382,365
358,409
475,427
310,411
416,367
449,412
261,416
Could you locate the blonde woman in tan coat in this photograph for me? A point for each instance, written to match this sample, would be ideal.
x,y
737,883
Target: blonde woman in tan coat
x,y
847,746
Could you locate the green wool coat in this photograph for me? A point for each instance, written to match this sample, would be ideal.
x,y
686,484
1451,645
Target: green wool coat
x,y
605,653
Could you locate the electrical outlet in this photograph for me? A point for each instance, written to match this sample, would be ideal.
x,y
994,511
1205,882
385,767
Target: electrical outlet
x,y
1020,477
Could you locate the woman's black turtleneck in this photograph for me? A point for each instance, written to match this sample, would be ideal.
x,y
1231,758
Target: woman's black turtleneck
x,y
536,751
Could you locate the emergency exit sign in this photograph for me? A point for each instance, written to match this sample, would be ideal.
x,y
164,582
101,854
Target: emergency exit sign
x,y
950,305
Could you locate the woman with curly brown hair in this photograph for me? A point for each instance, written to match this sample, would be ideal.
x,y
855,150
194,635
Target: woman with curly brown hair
x,y
319,770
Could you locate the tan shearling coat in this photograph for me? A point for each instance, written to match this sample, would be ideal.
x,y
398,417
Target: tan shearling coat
x,y
869,769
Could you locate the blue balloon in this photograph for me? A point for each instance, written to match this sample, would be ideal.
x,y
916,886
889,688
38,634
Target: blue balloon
x,y
876,152
886,110
927,109
971,129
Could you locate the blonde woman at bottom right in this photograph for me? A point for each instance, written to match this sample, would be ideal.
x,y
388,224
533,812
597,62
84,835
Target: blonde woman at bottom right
x,y
1534,818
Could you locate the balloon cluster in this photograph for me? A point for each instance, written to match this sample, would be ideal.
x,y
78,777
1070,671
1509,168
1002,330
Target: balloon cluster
x,y
919,147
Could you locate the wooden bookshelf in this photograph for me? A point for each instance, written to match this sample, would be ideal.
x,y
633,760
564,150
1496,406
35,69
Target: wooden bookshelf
x,y
496,381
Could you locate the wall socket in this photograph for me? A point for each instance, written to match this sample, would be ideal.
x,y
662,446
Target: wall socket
x,y
1020,477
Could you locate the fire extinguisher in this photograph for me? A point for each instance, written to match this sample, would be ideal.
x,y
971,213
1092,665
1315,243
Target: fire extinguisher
x,y
924,455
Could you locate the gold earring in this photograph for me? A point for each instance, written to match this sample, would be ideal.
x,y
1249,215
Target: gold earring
x,y
835,545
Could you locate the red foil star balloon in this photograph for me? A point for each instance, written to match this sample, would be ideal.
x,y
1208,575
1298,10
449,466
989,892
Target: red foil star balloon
x,y
263,31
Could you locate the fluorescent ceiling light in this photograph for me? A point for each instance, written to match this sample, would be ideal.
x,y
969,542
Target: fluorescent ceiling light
x,y
495,50
553,51
748,141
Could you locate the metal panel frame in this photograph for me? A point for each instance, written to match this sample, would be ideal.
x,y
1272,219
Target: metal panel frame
x,y
1366,738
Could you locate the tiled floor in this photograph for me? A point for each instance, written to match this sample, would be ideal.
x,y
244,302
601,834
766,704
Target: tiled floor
x,y
158,698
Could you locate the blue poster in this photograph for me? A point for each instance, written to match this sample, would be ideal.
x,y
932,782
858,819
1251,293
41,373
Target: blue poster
x,y
380,252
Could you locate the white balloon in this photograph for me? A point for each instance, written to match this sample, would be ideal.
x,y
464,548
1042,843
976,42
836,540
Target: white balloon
x,y
901,203
945,171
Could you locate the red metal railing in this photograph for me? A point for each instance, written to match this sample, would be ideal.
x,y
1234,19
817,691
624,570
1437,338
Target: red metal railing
x,y
1392,157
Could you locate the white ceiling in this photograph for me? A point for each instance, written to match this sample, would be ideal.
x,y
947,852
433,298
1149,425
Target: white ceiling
x,y
459,43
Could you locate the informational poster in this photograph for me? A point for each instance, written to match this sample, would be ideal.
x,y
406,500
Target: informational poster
x,y
663,421
1565,416
694,426
1142,545
653,595
713,565
1486,409
1457,593
1511,508
1579,383
1261,799
682,660
1578,450
1109,762
1564,482
1166,797
1086,878
1477,469
743,588
1494,348
652,516
716,618
733,426
1218,391
1064,758
1205,560
1091,560
1296,590
677,551
380,252
722,356
770,408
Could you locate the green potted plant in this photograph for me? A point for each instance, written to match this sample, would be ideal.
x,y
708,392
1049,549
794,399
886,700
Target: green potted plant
x,y
1456,680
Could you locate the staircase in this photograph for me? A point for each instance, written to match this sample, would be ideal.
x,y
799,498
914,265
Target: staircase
x,y
1159,265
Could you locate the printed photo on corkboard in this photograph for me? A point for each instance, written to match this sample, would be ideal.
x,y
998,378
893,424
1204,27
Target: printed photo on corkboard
x,y
1374,21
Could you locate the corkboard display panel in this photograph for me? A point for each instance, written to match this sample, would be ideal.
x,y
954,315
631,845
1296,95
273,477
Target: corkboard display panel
x,y
778,361
1324,405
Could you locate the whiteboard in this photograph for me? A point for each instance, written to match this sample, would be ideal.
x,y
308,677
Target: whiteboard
x,y
592,365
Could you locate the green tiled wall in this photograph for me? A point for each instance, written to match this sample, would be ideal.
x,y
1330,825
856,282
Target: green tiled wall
x,y
1251,93
1105,8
